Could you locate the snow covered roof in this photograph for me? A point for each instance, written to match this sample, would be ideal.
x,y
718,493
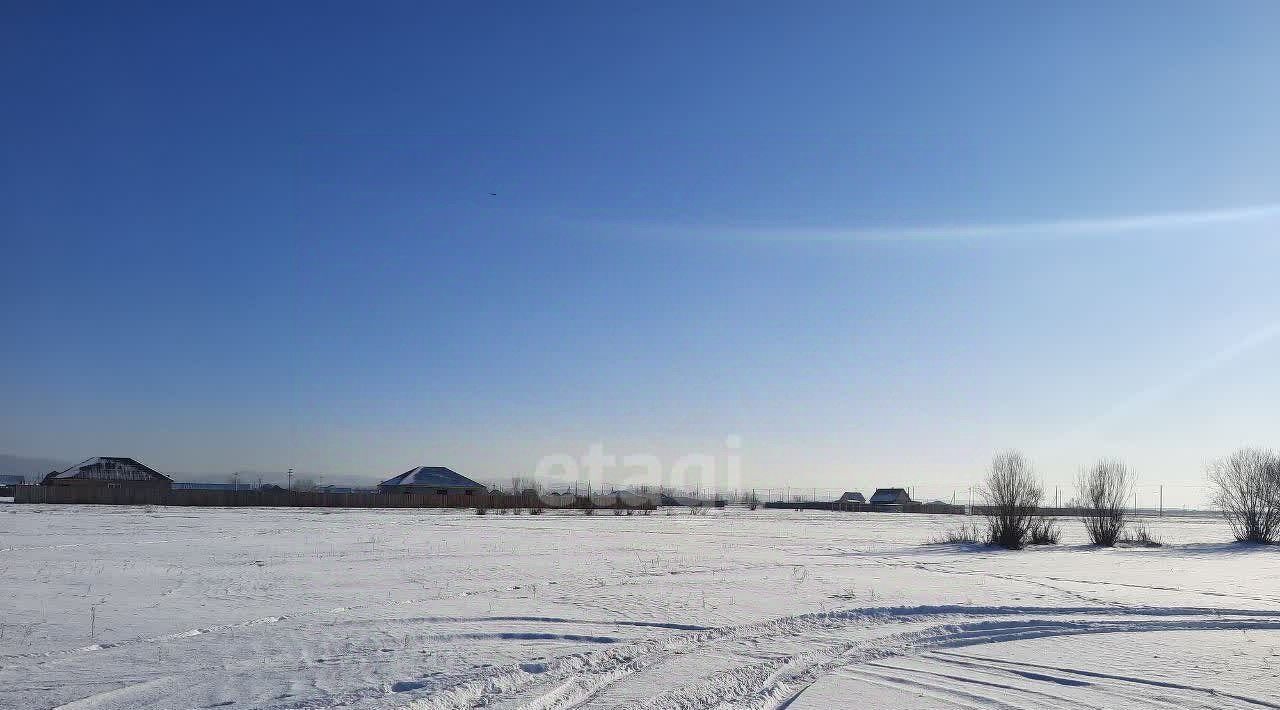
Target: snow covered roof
x,y
889,495
437,476
112,468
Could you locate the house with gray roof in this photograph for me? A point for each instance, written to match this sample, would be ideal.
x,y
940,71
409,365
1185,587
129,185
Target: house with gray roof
x,y
432,480
109,472
890,496
8,483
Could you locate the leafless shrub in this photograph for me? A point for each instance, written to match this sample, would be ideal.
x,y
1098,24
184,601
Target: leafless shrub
x,y
1013,495
1102,491
1140,536
1044,531
970,534
535,511
1247,490
481,510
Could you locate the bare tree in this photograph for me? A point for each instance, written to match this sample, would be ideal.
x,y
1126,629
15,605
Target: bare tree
x,y
1102,492
1013,496
1247,491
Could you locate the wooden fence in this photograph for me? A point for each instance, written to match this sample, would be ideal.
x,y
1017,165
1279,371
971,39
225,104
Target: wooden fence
x,y
848,507
123,495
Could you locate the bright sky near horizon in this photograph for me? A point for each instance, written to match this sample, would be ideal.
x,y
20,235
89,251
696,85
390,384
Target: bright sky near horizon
x,y
875,241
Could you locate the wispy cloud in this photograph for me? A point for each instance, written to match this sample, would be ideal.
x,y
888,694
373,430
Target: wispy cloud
x,y
963,232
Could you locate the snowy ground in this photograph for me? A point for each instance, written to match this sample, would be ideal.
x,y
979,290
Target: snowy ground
x,y
119,607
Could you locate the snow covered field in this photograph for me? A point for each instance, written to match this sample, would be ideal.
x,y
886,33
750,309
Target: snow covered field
x,y
120,607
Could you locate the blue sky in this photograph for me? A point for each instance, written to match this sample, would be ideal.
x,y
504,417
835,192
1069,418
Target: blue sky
x,y
876,241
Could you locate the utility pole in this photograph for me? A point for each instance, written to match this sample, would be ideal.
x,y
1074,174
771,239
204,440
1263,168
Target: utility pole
x,y
1162,500
290,483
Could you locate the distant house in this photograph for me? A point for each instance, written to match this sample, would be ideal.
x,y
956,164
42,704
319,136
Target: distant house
x,y
109,472
890,496
8,483
432,480
851,497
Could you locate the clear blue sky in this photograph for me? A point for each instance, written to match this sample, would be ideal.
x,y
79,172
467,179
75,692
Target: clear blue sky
x,y
876,241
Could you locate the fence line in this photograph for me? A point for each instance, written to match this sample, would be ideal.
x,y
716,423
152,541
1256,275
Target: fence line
x,y
100,495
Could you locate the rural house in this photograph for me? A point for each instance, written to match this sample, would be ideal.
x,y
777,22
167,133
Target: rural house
x,y
8,483
110,472
432,480
851,497
890,496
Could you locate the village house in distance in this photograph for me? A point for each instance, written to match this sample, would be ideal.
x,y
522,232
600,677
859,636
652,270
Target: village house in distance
x,y
110,472
432,480
890,496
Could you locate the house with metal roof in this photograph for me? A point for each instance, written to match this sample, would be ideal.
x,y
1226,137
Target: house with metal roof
x,y
890,496
432,480
109,472
8,483
851,497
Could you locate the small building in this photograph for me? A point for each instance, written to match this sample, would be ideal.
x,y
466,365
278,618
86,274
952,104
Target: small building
x,y
110,472
890,496
851,497
432,480
9,483
198,486
342,489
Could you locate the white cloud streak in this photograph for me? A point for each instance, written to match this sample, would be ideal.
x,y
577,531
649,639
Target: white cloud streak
x,y
967,232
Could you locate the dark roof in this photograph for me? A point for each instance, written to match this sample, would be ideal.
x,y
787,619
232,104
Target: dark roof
x,y
433,476
111,468
6,480
888,495
853,496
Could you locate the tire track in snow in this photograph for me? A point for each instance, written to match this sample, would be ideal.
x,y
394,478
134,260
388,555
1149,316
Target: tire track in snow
x,y
575,680
740,687
189,633
1016,666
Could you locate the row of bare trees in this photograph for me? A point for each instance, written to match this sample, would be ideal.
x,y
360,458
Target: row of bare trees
x,y
1246,489
1014,498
